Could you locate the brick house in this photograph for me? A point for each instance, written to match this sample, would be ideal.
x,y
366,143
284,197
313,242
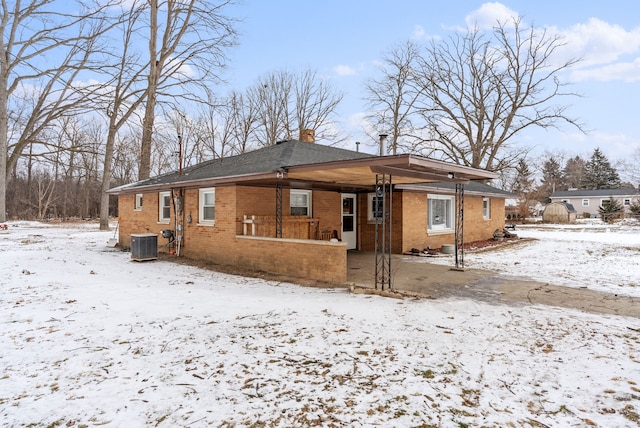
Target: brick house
x,y
296,208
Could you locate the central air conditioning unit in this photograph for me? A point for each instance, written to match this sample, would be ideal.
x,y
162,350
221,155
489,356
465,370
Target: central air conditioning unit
x,y
144,246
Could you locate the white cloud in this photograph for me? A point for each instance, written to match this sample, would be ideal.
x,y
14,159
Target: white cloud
x,y
599,42
608,52
419,33
489,14
622,71
345,70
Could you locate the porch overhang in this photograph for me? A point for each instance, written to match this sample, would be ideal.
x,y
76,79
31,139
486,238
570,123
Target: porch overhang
x,y
405,169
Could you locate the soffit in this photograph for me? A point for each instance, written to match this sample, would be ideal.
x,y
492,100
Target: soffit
x,y
404,169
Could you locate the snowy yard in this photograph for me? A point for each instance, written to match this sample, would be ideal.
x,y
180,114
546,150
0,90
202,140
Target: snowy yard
x,y
589,254
90,338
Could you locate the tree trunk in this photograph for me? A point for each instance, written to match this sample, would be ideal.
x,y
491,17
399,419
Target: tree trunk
x,y
4,132
106,174
149,112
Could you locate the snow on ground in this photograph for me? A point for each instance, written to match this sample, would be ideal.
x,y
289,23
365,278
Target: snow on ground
x,y
590,254
90,338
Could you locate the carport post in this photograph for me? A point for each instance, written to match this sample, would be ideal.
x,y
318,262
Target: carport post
x,y
279,207
459,237
383,231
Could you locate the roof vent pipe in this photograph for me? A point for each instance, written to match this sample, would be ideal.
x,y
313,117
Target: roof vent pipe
x,y
383,139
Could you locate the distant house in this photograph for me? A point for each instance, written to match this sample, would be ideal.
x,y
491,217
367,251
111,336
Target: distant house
x,y
590,201
516,208
559,212
296,208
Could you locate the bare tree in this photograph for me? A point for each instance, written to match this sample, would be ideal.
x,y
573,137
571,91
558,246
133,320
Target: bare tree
x,y
122,93
285,103
393,96
316,102
125,160
46,49
480,91
629,168
193,39
271,98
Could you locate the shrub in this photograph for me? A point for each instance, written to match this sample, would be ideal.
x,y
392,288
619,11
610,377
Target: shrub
x,y
611,211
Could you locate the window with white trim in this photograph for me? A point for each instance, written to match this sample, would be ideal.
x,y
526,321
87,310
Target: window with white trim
x,y
440,213
486,208
605,202
374,207
164,207
138,202
585,202
626,202
300,202
207,206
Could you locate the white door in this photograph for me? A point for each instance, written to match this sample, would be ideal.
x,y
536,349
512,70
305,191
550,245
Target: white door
x,y
349,220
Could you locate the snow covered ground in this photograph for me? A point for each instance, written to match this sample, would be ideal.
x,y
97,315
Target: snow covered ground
x,y
589,254
90,338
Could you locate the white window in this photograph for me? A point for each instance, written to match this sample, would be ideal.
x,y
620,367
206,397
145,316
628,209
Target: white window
x,y
585,202
605,202
627,202
486,208
138,203
375,207
164,209
207,206
300,202
440,213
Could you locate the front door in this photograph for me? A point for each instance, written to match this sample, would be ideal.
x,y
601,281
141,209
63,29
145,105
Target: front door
x,y
349,220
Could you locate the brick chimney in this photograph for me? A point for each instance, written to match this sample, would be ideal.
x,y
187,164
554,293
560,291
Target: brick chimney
x,y
308,136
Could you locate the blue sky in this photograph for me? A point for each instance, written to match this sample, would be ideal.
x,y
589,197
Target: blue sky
x,y
343,39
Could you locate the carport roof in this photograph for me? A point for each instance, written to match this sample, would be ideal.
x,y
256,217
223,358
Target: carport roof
x,y
310,166
472,188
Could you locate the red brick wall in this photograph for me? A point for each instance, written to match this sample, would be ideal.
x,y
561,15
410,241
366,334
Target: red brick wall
x,y
317,260
327,207
322,261
410,222
414,233
366,228
131,221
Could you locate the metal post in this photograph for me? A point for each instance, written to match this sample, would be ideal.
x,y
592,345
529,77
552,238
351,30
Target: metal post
x,y
279,208
459,247
384,217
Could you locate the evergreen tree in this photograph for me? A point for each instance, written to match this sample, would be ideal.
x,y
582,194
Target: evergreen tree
x,y
523,181
611,211
599,174
552,179
523,186
573,173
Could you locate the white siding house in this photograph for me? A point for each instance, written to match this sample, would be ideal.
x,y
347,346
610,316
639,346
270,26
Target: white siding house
x,y
590,201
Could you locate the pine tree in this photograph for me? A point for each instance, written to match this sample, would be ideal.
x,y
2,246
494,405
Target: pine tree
x,y
523,186
552,179
573,173
611,211
599,174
